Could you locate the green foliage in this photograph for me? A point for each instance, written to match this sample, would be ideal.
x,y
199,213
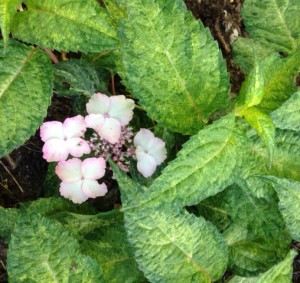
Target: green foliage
x,y
172,66
8,218
274,23
25,91
7,10
287,116
65,25
280,273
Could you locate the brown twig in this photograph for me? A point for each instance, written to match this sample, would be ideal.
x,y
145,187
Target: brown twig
x,y
221,38
11,175
113,91
52,55
11,162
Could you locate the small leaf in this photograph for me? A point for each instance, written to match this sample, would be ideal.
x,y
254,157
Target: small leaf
x,y
171,63
68,25
288,192
49,252
7,10
287,116
264,126
280,273
25,92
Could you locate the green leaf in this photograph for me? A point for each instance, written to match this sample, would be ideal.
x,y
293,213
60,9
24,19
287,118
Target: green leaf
x,y
52,182
69,25
264,126
274,23
41,250
280,273
258,237
7,10
25,92
78,77
172,64
288,192
287,116
171,246
8,218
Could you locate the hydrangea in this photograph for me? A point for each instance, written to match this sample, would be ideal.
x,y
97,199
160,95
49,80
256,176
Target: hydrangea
x,y
107,115
150,152
79,178
62,139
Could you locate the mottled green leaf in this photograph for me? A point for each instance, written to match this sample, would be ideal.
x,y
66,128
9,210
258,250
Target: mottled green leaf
x,y
287,116
172,64
25,92
69,25
274,23
7,10
49,252
280,273
8,218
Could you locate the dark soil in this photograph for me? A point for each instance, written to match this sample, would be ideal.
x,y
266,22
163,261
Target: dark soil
x,y
22,174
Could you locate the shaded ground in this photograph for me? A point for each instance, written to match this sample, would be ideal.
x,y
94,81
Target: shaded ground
x,y
22,176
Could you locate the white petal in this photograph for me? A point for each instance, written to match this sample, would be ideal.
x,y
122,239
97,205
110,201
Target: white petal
x,y
69,171
93,189
55,150
78,147
146,164
93,168
74,127
73,192
110,130
157,149
51,130
94,121
121,109
98,104
143,138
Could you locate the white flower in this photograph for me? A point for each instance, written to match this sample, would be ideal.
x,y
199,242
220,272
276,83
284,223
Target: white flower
x,y
108,114
79,178
64,139
150,152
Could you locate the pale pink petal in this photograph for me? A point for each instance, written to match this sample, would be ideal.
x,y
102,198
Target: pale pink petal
x,y
51,130
121,109
93,189
73,192
78,147
110,130
94,121
55,150
157,149
146,164
74,127
98,104
93,168
69,171
143,138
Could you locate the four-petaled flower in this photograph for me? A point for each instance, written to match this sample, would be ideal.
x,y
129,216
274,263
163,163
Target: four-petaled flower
x,y
150,152
64,139
108,114
79,178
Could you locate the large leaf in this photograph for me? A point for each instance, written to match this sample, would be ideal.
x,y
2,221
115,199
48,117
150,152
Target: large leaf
x,y
25,91
8,218
172,64
171,246
41,250
287,116
280,273
7,11
69,25
289,203
275,23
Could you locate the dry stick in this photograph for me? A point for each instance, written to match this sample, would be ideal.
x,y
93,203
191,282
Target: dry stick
x,y
226,47
11,175
52,55
11,162
113,91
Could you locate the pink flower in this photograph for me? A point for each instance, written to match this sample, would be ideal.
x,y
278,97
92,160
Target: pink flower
x,y
150,152
64,139
79,178
108,114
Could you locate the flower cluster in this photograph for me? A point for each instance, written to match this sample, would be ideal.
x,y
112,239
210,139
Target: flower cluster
x,y
113,139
